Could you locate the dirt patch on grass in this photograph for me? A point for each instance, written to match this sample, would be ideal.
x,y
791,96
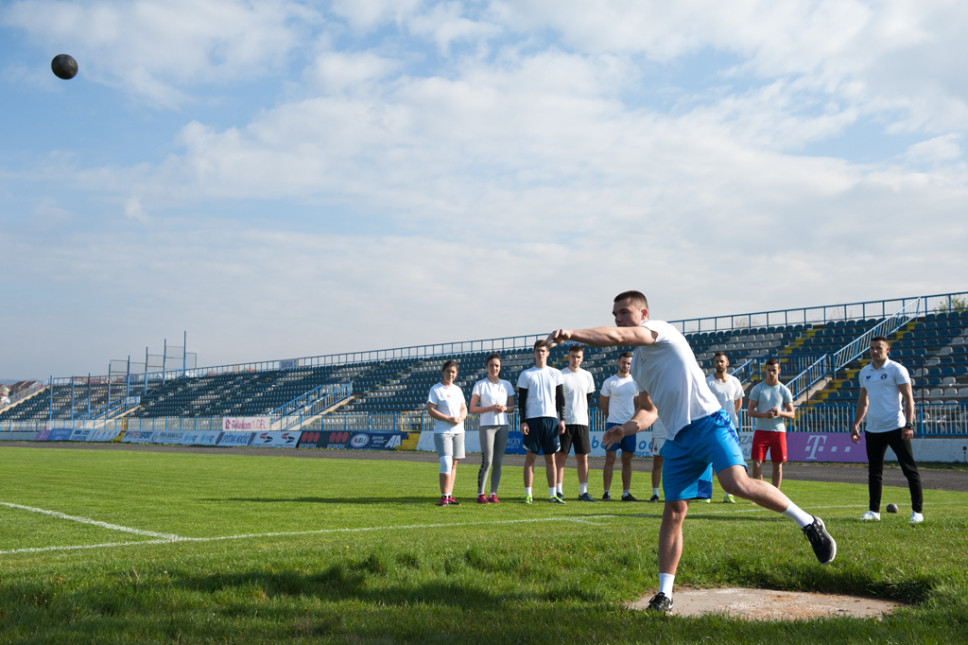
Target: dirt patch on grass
x,y
766,604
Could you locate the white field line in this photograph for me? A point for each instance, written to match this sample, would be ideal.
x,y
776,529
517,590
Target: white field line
x,y
170,539
86,520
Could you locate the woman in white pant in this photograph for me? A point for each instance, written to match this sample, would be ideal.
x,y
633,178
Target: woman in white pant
x,y
445,404
493,399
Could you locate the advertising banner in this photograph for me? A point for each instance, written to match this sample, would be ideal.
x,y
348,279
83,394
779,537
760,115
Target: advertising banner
x,y
246,424
138,436
201,437
104,434
286,439
824,446
60,434
348,440
235,439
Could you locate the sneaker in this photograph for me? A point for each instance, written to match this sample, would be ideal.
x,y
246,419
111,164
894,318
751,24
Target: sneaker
x,y
585,497
628,498
706,501
452,502
654,499
916,518
823,545
556,500
870,516
444,501
527,499
606,497
560,496
728,499
660,602
482,499
493,499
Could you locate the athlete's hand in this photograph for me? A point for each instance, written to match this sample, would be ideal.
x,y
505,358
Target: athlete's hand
x,y
557,337
612,436
524,428
855,435
561,427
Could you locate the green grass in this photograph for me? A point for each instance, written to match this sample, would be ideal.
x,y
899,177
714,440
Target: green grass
x,y
271,549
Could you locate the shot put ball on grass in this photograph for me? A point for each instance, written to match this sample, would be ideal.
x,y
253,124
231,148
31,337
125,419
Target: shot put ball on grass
x,y
64,66
892,508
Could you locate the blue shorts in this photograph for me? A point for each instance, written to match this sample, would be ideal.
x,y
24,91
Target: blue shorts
x,y
542,437
689,459
627,444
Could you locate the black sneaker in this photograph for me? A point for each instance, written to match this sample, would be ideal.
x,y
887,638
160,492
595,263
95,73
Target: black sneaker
x,y
585,497
823,545
654,499
606,497
628,498
660,602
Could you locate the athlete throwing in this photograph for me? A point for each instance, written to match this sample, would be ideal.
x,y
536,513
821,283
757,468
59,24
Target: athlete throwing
x,y
701,435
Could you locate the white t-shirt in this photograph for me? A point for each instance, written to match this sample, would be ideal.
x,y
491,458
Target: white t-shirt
x,y
885,411
577,386
668,371
540,384
447,399
727,393
621,393
659,431
768,397
492,394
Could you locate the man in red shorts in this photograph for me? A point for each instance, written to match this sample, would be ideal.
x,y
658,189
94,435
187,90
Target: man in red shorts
x,y
770,403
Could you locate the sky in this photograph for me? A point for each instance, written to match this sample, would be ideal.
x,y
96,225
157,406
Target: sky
x,y
281,179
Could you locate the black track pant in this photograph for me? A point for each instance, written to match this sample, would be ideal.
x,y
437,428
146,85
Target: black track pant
x,y
877,444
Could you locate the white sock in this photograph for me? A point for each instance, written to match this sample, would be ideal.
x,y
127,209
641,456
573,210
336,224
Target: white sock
x,y
551,491
626,492
558,489
655,491
665,583
583,488
527,491
797,514
605,492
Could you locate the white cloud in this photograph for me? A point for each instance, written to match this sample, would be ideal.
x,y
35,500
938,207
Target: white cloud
x,y
158,51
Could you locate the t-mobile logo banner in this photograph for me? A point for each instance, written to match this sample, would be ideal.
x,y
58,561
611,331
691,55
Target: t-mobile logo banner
x,y
824,446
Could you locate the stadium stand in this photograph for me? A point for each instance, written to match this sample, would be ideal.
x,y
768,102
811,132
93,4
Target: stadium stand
x,y
934,347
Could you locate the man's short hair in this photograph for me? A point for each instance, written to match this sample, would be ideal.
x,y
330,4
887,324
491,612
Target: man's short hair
x,y
721,353
574,349
450,362
877,338
773,361
491,358
625,355
540,343
636,297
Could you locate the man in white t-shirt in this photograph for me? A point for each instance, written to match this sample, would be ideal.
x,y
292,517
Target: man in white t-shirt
x,y
770,403
701,435
617,401
579,386
729,391
541,399
885,390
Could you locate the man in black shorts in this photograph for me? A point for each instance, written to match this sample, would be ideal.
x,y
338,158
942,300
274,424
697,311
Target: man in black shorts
x,y
542,401
579,387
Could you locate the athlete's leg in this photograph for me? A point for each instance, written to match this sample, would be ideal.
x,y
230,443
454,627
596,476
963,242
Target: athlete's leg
x,y
607,469
500,446
905,457
529,458
487,434
627,469
876,444
670,536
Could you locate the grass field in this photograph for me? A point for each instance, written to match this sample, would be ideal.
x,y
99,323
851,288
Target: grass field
x,y
123,547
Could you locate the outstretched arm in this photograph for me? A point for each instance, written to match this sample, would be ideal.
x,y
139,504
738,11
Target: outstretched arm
x,y
605,336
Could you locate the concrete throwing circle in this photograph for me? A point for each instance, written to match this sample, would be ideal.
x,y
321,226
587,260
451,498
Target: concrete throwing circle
x,y
771,605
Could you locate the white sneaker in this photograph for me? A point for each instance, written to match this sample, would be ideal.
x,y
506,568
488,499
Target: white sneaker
x,y
916,518
871,515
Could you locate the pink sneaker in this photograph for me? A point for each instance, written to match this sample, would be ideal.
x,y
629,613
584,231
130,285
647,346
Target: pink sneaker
x,y
493,499
452,502
482,499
